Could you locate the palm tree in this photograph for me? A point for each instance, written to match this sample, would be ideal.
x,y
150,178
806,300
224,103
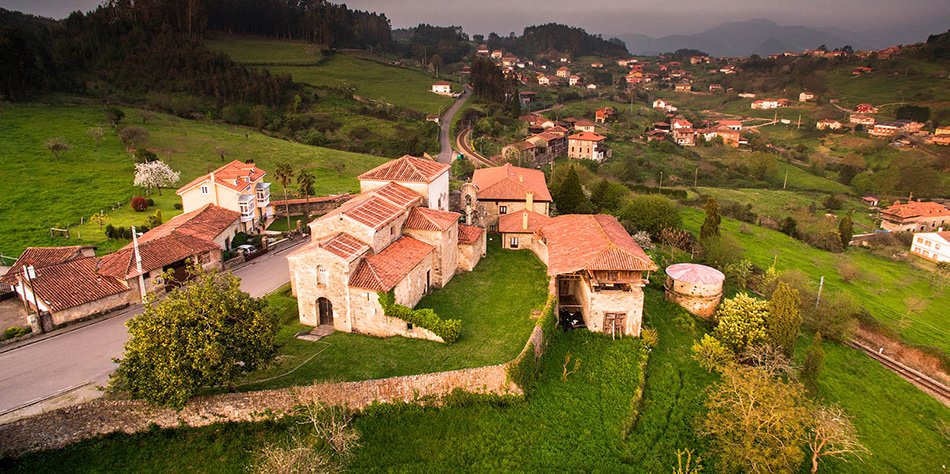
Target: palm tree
x,y
284,173
305,181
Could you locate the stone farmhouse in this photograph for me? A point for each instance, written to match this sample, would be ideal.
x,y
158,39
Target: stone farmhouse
x,y
237,186
934,246
595,268
587,146
502,190
914,216
395,236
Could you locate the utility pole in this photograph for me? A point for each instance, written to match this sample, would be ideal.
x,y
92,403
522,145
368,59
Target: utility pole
x,y
138,263
785,184
821,285
799,120
661,182
696,177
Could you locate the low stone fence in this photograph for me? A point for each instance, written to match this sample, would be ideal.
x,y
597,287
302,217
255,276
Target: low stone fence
x,y
58,428
313,206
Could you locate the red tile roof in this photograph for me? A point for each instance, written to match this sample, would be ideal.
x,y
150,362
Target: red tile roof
x,y
381,272
234,175
584,123
156,253
345,246
423,218
407,169
373,212
587,136
206,222
398,195
591,242
469,234
510,183
514,222
40,257
73,283
916,209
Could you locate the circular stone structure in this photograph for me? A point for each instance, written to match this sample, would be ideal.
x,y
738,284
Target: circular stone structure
x,y
697,288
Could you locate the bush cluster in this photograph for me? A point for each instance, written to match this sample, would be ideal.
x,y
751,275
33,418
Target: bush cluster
x,y
13,332
139,203
448,329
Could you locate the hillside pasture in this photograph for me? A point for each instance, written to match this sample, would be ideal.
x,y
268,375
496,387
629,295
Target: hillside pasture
x,y
258,51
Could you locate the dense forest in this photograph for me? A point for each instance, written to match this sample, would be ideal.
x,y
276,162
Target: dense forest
x,y
552,39
437,45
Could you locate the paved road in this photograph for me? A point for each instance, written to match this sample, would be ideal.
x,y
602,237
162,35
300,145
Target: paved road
x,y
76,358
445,133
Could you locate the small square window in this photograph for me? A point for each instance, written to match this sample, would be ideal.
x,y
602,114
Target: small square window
x,y
502,209
409,326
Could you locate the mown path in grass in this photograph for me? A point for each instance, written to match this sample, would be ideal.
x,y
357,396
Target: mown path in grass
x,y
493,302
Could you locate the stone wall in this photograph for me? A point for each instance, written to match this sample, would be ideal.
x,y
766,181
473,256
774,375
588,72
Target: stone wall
x,y
58,428
93,308
313,206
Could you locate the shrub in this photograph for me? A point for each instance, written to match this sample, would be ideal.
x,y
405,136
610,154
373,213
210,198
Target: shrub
x,y
721,251
139,204
15,331
711,354
448,329
832,202
178,206
789,226
651,213
110,231
814,362
150,202
741,322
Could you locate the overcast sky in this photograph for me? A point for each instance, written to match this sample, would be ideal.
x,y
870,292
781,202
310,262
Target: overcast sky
x,y
609,17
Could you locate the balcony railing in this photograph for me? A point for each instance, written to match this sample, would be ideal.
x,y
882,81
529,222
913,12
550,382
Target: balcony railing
x,y
263,194
246,205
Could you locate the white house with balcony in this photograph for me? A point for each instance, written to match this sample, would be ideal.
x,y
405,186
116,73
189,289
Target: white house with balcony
x,y
236,186
934,246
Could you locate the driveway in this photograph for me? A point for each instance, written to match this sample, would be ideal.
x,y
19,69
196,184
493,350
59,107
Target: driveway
x,y
445,132
82,358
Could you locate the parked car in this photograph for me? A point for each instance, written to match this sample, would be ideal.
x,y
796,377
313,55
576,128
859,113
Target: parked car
x,y
246,249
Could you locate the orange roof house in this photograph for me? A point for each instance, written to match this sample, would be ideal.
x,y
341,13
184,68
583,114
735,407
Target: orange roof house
x,y
500,190
237,186
428,178
915,216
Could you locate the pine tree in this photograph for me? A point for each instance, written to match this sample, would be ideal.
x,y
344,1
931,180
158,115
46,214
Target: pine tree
x,y
845,230
570,197
710,226
784,320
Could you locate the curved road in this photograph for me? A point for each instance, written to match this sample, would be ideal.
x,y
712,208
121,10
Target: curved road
x,y
445,133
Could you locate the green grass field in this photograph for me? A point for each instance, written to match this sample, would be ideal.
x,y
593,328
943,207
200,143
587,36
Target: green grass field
x,y
42,192
778,204
883,287
922,86
263,51
494,303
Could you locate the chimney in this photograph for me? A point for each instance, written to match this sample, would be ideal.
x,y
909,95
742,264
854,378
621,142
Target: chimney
x,y
520,178
214,189
524,220
529,201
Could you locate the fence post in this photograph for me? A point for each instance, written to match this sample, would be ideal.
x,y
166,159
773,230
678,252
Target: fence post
x,y
821,285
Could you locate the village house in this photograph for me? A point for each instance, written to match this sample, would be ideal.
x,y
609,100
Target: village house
x,y
604,115
501,190
829,124
768,104
885,129
383,240
735,125
746,95
729,136
587,146
237,186
591,86
684,86
482,50
684,136
699,60
680,123
585,126
442,88
716,88
497,54
596,270
427,178
662,105
866,109
543,80
573,80
914,216
522,152
806,96
563,72
934,246
861,120
861,70
728,70
942,136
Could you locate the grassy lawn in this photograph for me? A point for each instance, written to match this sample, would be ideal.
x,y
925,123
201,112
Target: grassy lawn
x,y
778,204
43,192
802,179
371,79
494,303
280,223
884,287
265,51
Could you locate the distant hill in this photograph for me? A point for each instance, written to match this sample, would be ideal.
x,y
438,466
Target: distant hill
x,y
764,37
553,38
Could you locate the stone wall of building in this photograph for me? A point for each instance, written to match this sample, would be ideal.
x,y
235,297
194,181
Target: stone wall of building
x,y
628,302
58,428
445,256
490,211
700,300
470,254
93,308
525,240
368,318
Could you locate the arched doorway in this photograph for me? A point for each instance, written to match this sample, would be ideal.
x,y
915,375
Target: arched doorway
x,y
325,310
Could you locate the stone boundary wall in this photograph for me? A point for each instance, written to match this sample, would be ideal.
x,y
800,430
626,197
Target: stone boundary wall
x,y
313,206
58,428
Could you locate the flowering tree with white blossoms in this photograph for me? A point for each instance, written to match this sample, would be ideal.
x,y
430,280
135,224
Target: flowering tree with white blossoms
x,y
154,174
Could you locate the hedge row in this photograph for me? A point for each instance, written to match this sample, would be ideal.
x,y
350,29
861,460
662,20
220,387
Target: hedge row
x,y
525,369
448,329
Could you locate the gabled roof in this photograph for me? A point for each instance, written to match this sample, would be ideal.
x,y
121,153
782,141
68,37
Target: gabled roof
x,y
345,246
206,222
469,234
442,83
587,136
916,209
591,242
398,194
406,169
584,123
514,222
235,176
40,257
156,254
510,183
423,218
72,283
373,212
381,272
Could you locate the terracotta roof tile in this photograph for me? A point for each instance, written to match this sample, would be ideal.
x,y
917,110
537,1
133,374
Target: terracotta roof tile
x,y
345,246
398,195
73,283
407,169
40,257
514,222
510,183
587,136
227,174
591,242
916,209
381,272
206,222
422,218
374,212
469,234
156,253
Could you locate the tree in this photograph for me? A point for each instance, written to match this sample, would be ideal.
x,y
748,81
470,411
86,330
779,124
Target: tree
x,y
721,251
652,213
832,434
337,163
154,174
784,319
154,220
436,62
99,218
283,172
205,333
114,115
940,274
814,362
147,115
741,322
711,354
710,225
845,230
96,133
305,182
755,422
56,145
570,198
831,202
221,151
133,135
